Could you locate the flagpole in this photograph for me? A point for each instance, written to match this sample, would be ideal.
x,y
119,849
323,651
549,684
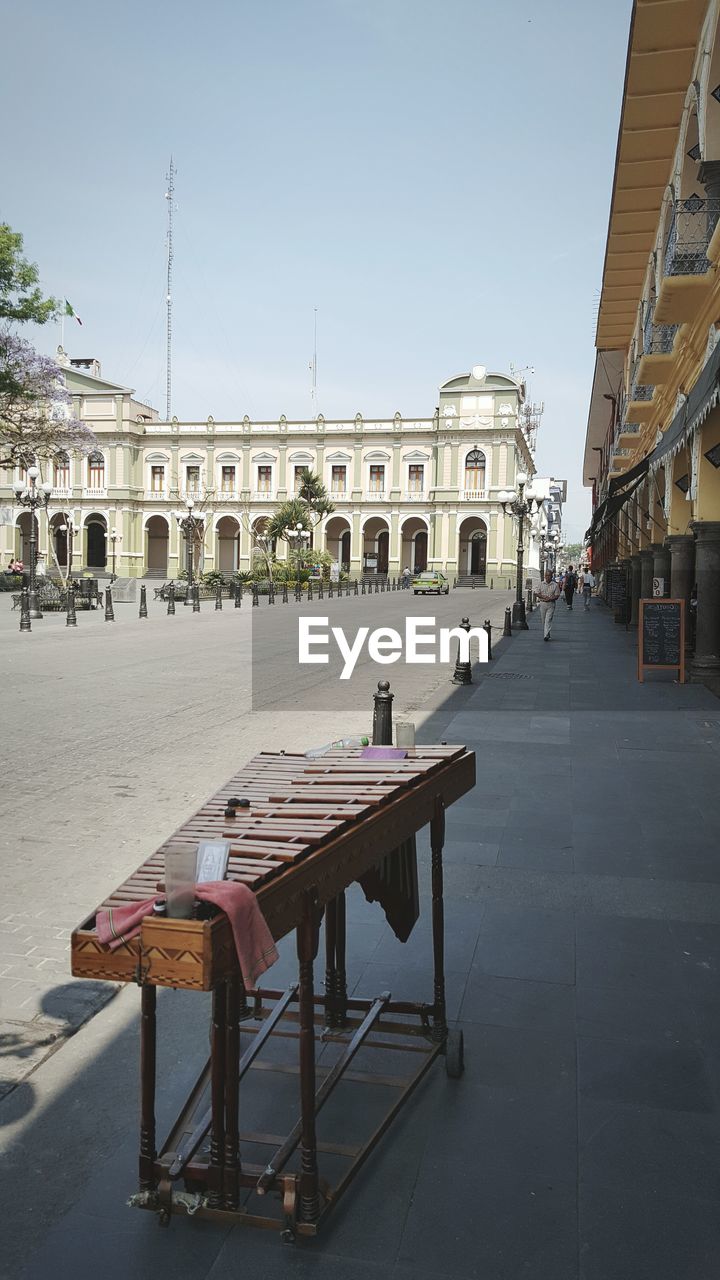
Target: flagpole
x,y
62,328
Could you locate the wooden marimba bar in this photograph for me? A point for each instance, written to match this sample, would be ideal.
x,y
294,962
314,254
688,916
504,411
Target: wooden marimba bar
x,y
300,831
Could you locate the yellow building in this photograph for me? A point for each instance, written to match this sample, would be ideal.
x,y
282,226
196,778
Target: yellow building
x,y
406,492
653,438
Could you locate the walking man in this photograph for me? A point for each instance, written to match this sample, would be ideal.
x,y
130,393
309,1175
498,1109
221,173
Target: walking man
x,y
588,582
548,593
569,585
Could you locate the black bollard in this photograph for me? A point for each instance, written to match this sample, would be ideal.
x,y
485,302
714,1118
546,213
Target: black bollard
x,y
330,590
71,619
255,596
298,591
472,584
362,589
109,611
347,587
382,585
171,600
454,583
382,734
320,590
143,602
271,592
238,595
487,627
218,596
356,586
507,629
196,598
492,583
377,586
509,585
284,594
463,670
25,624
529,604
309,594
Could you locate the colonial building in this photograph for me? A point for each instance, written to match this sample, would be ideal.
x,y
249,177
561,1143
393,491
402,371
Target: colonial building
x,y
653,438
407,492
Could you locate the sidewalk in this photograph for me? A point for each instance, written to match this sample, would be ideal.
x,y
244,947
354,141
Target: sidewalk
x,y
583,953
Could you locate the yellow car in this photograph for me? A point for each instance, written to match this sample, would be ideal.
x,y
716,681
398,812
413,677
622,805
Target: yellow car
x,y
424,583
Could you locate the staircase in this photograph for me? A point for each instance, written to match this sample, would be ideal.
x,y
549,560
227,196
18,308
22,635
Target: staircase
x,y
471,580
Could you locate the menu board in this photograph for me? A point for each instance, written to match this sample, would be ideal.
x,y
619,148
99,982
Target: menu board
x,y
617,586
661,636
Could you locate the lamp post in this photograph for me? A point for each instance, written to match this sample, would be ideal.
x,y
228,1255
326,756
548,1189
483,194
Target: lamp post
x,y
189,525
69,528
520,504
265,545
33,497
115,537
298,535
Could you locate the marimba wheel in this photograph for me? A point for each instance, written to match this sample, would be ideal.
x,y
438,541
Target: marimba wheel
x,y
455,1054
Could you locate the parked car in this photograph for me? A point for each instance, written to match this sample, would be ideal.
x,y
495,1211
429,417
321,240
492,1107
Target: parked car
x,y
424,583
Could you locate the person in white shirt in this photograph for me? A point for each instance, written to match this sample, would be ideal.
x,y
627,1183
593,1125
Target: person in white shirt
x,y
548,593
586,586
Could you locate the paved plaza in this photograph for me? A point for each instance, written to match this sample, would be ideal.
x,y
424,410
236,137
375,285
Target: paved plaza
x,y
583,958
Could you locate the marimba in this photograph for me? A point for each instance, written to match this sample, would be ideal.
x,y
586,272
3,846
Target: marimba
x,y
309,829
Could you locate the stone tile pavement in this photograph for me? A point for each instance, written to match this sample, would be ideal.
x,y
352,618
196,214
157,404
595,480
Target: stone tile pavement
x,y
583,914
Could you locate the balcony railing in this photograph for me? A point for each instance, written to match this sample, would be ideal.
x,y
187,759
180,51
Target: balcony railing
x,y
263,495
376,495
415,495
640,392
657,338
474,495
92,492
691,228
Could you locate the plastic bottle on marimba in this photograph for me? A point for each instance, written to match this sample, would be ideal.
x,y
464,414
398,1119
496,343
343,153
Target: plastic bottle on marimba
x,y
355,741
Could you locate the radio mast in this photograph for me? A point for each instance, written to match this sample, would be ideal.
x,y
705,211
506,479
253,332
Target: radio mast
x,y
170,197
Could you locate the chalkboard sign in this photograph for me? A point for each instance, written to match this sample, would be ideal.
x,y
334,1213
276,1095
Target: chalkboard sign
x,y
661,636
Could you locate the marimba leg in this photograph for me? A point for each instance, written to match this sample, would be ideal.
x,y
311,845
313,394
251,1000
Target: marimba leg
x,y
232,1085
148,1042
335,976
330,943
437,840
217,1098
340,974
307,942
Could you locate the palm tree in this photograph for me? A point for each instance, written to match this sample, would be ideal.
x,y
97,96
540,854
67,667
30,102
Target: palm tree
x,y
309,505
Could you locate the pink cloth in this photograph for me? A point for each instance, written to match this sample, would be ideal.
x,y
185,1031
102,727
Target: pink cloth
x,y
254,944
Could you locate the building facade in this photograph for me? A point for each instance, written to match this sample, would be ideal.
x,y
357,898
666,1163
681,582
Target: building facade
x,y
653,439
421,493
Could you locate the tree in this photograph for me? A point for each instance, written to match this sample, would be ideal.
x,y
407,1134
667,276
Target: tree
x,y
20,297
307,508
35,406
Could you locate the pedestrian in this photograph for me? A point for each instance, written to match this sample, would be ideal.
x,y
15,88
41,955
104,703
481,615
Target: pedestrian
x,y
569,585
586,585
548,593
40,566
406,577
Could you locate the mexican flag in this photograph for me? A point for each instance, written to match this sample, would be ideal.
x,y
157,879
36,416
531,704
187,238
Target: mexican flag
x,y
70,312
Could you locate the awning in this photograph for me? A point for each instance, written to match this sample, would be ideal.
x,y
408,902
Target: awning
x,y
615,501
704,396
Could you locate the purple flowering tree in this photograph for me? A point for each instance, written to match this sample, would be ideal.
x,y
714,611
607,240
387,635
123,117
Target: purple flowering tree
x,y
35,406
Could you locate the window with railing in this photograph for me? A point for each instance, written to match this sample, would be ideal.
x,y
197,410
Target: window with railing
x,y
416,477
227,479
192,479
96,471
475,470
658,339
338,479
61,471
692,223
377,478
264,479
157,479
299,472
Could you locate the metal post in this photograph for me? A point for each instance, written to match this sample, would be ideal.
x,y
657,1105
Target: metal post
x,y
284,593
463,670
25,609
487,627
507,629
35,611
171,599
330,590
309,594
362,588
271,592
492,583
518,613
71,619
382,734
320,590
238,595
356,587
143,602
255,596
218,596
109,611
196,598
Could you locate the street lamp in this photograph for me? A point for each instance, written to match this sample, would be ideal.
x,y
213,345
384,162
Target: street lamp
x,y
299,534
189,525
520,504
115,537
33,497
69,528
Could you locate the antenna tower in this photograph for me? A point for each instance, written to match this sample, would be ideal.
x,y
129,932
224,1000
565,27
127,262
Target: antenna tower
x,y
529,414
170,197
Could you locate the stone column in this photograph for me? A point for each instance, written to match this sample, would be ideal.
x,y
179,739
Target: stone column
x,y
707,576
646,573
634,589
661,564
682,571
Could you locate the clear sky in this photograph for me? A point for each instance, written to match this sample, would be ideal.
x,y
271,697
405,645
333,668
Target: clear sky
x,y
434,177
